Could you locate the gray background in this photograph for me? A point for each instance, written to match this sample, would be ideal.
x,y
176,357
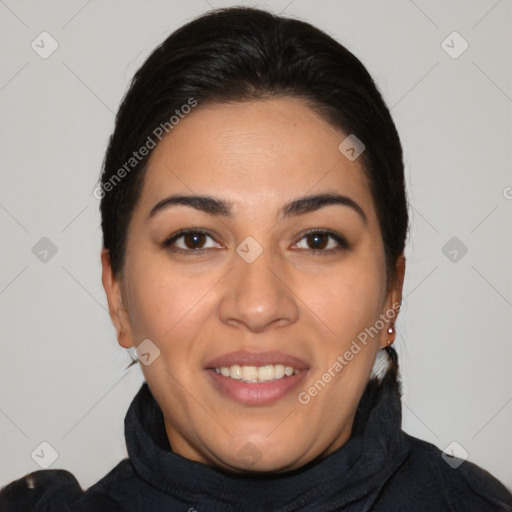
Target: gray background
x,y
62,373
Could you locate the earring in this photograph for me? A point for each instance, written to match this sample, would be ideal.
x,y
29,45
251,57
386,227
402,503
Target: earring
x,y
391,330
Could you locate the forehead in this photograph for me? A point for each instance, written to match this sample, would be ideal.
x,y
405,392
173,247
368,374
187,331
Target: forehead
x,y
252,153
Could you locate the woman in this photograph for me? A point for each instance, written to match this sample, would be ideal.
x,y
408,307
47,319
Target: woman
x,y
254,219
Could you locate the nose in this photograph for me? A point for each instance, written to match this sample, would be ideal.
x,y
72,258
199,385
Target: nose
x,y
257,296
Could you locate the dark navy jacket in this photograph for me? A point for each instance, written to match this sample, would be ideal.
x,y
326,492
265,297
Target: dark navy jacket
x,y
380,468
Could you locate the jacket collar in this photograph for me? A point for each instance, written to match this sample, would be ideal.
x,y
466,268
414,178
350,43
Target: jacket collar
x,y
356,471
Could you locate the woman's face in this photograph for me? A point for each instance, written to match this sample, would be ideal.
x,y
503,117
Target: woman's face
x,y
253,295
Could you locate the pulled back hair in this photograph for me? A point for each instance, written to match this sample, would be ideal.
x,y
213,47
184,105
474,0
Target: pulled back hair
x,y
243,54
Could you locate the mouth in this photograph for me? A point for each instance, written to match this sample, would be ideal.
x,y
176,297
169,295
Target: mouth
x,y
254,378
267,373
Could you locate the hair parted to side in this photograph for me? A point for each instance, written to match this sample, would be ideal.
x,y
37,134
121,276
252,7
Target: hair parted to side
x,y
242,54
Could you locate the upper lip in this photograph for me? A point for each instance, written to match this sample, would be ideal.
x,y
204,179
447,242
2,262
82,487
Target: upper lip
x,y
245,358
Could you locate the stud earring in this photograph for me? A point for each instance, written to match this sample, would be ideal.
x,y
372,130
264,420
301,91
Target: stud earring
x,y
391,330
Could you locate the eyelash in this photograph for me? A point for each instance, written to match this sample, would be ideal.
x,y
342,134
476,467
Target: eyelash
x,y
342,243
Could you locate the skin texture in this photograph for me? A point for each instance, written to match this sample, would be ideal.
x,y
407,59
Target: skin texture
x,y
293,298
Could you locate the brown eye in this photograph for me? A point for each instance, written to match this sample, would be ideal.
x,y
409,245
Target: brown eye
x,y
194,240
322,242
190,241
317,240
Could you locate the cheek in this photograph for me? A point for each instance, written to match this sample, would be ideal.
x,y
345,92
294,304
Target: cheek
x,y
152,299
165,304
346,300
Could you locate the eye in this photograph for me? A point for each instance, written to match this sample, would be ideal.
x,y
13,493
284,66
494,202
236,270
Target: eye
x,y
189,241
195,241
322,241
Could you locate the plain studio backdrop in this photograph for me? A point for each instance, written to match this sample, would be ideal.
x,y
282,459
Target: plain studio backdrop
x,y
445,71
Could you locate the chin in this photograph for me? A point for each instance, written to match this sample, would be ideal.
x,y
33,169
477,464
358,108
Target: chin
x,y
261,457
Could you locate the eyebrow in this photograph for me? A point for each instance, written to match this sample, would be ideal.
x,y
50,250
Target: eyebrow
x,y
300,206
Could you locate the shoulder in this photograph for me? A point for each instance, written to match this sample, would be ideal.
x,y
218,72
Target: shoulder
x,y
429,480
35,491
58,490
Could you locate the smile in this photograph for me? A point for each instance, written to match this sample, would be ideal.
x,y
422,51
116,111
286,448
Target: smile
x,y
256,378
267,373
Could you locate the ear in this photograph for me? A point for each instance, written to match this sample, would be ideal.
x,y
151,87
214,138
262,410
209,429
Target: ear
x,y
116,304
393,303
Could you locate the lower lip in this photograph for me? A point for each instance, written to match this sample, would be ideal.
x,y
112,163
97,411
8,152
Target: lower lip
x,y
256,393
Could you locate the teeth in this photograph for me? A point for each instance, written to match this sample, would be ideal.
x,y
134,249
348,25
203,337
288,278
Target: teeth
x,y
235,372
249,373
265,373
279,371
